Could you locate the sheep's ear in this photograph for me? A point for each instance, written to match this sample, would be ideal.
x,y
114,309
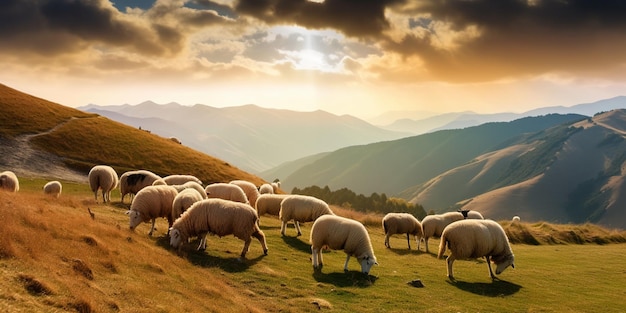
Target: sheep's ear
x,y
513,265
127,212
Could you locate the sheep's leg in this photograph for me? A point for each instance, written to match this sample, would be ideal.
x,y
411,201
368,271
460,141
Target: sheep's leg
x,y
314,258
246,245
488,259
298,228
152,228
283,225
450,260
261,237
408,240
426,243
202,245
419,241
345,265
387,241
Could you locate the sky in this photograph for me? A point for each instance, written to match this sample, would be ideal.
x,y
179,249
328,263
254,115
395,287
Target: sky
x,y
358,57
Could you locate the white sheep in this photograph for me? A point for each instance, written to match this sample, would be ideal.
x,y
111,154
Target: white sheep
x,y
515,219
250,189
132,182
402,223
433,225
53,188
340,233
9,181
301,209
269,203
276,186
191,185
266,188
471,239
151,203
183,200
102,177
180,179
226,191
219,217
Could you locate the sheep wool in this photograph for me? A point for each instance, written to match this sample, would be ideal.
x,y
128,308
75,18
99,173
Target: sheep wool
x,y
269,203
132,182
433,225
340,233
102,177
191,185
183,200
250,189
301,209
402,223
219,217
470,239
227,192
9,181
151,203
180,179
53,188
266,188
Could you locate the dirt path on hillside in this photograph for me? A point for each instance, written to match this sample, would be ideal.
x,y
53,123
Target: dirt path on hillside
x,y
20,156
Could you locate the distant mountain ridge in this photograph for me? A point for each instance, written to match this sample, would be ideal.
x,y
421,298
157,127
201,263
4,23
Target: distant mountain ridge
x,y
252,138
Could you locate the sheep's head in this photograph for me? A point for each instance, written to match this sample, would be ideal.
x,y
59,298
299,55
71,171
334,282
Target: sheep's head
x,y
176,238
135,218
367,262
503,263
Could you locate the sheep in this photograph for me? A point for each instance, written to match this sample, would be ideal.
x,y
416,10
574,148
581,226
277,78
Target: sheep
x,y
275,186
132,182
515,219
301,209
191,185
269,203
227,192
266,188
251,191
180,179
150,203
433,225
183,200
402,223
9,181
340,233
470,239
220,217
53,188
102,177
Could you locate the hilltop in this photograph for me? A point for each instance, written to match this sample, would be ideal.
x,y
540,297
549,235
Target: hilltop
x,y
46,139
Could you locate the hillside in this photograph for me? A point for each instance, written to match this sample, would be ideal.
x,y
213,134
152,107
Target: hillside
x,y
252,138
42,138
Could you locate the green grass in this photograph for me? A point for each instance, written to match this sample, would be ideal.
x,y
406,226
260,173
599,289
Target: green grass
x,y
133,272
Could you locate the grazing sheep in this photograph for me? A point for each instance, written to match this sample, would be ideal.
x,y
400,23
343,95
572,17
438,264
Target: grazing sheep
x,y
9,181
275,186
251,191
191,185
53,188
227,192
183,200
105,178
470,239
433,225
266,188
340,233
515,219
402,223
132,182
269,203
180,179
150,203
301,209
219,217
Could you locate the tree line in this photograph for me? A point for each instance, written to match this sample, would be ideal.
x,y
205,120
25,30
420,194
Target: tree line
x,y
376,203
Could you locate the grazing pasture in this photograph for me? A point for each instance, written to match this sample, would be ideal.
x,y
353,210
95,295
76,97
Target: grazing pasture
x,y
55,257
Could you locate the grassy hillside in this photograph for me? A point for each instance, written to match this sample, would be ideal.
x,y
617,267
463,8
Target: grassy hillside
x,y
55,258
83,140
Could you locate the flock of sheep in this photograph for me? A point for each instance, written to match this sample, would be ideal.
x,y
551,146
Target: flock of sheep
x,y
234,208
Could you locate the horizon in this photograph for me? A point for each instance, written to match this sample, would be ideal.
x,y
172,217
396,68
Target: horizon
x,y
487,56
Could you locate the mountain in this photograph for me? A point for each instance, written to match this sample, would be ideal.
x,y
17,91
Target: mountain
x,y
45,139
251,137
394,166
467,119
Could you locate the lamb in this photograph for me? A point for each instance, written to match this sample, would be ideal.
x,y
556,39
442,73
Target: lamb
x,y
337,233
402,223
266,188
132,182
269,203
252,193
219,217
470,239
433,225
53,188
301,209
150,203
227,192
102,177
183,200
9,181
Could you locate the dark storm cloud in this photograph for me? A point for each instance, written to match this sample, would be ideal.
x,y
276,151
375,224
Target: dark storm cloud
x,y
359,18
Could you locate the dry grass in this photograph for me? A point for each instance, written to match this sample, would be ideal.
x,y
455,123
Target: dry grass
x,y
548,233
